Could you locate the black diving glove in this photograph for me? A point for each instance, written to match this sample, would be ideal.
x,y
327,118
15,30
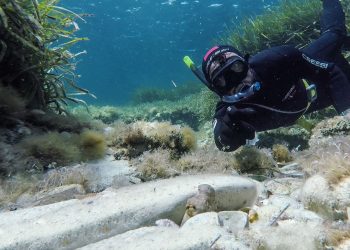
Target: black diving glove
x,y
230,129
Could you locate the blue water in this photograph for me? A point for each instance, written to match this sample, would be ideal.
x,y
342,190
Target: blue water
x,y
141,43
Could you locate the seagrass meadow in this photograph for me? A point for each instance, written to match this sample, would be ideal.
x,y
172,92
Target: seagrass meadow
x,y
292,22
35,61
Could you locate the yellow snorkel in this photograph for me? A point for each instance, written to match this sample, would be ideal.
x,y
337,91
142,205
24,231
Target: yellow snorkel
x,y
190,64
188,61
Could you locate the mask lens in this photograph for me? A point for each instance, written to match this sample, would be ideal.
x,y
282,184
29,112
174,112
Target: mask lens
x,y
228,73
220,82
237,66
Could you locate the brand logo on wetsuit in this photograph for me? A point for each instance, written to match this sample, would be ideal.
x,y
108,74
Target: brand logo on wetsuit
x,y
315,62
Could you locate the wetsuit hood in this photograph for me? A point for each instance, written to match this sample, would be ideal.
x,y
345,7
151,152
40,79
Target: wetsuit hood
x,y
212,54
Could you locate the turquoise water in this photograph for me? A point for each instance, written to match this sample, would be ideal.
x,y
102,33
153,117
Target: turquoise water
x,y
141,43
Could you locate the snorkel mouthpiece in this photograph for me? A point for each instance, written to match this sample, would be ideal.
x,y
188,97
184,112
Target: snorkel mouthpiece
x,y
242,95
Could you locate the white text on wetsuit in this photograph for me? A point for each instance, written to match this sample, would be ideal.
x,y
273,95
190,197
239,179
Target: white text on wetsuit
x,y
315,62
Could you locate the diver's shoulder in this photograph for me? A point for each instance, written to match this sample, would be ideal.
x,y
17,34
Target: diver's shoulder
x,y
275,52
281,49
286,49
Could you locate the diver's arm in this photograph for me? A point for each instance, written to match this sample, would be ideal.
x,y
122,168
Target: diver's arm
x,y
329,75
339,89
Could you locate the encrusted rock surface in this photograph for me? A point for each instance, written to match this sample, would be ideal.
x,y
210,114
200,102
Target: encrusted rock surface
x,y
75,223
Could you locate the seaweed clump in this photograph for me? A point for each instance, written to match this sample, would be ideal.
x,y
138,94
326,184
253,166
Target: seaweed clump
x,y
134,139
281,153
253,161
54,149
155,165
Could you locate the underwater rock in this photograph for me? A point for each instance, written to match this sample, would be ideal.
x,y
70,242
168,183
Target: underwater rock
x,y
338,125
58,194
13,160
200,232
105,173
283,186
272,206
342,193
296,228
124,180
316,195
233,221
166,223
194,237
230,243
50,195
76,223
328,200
344,245
95,176
203,219
294,137
288,235
202,202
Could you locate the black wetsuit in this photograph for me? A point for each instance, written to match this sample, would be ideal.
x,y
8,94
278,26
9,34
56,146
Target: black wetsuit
x,y
279,71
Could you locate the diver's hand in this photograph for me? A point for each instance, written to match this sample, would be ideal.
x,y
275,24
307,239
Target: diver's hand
x,y
230,129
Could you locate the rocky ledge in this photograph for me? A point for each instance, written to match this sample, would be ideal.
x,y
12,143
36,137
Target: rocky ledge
x,y
79,222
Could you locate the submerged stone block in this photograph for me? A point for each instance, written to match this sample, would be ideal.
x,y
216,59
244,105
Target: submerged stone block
x,y
76,223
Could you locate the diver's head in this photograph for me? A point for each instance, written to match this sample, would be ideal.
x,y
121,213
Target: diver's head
x,y
224,67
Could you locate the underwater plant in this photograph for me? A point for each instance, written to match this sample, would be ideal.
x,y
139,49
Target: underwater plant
x,y
61,177
189,140
336,236
281,153
294,137
206,160
34,53
51,147
54,149
92,145
10,101
154,94
154,165
252,160
294,22
134,139
11,189
328,157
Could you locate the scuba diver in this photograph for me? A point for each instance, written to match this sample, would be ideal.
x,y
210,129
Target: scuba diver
x,y
275,87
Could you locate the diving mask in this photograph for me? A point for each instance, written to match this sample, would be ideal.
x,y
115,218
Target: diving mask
x,y
227,72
